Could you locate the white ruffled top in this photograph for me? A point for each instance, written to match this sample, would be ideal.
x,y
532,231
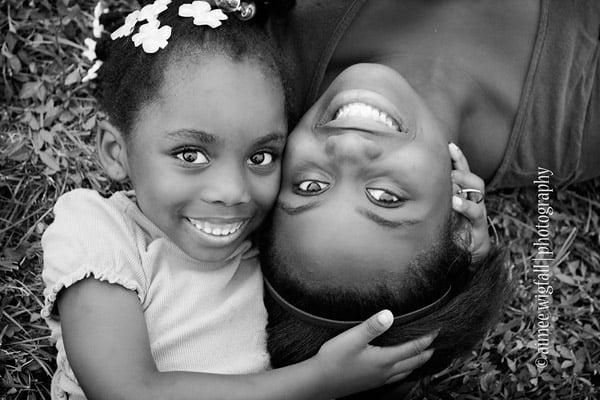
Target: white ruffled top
x,y
203,317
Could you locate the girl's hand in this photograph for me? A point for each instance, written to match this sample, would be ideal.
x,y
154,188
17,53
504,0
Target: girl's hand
x,y
471,205
349,364
108,347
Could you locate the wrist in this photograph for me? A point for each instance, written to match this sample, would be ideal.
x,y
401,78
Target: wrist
x,y
324,376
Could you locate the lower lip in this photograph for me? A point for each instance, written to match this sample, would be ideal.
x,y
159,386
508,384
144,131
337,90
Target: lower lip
x,y
219,241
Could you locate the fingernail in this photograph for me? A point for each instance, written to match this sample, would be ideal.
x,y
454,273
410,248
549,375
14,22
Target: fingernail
x,y
453,147
385,317
432,335
456,201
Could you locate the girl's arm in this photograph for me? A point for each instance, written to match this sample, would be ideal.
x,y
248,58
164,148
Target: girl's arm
x,y
107,345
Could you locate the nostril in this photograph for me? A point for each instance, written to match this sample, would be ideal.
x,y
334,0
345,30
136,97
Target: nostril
x,y
352,146
227,193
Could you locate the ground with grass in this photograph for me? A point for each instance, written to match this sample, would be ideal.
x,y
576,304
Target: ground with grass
x,y
47,127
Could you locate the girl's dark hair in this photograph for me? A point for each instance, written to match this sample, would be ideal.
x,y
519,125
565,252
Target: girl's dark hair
x,y
130,78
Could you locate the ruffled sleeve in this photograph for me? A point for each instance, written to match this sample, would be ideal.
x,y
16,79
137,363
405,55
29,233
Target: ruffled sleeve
x,y
90,237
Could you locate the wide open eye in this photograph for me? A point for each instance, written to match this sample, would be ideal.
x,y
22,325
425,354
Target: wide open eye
x,y
261,158
310,187
192,157
383,198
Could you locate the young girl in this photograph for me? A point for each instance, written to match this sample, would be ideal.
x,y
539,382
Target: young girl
x,y
157,292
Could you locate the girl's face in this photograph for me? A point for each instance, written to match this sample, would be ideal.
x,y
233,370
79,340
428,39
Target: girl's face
x,y
204,158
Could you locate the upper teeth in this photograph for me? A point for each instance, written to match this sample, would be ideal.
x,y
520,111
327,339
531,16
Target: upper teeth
x,y
366,111
216,229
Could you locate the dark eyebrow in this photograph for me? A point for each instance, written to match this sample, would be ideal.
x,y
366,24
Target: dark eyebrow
x,y
270,138
297,210
193,134
386,223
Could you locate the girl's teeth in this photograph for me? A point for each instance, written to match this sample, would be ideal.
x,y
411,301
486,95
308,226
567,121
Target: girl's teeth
x,y
366,111
216,229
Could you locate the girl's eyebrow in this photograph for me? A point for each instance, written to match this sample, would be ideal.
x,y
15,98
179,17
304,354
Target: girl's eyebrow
x,y
272,137
193,134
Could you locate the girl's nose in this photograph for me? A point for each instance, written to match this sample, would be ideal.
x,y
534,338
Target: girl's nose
x,y
352,147
227,187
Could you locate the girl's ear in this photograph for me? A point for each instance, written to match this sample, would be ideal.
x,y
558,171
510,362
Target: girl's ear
x,y
112,151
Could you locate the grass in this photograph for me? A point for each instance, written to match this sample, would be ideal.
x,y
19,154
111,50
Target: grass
x,y
47,127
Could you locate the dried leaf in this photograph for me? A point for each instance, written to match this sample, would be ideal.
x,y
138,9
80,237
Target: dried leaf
x,y
73,78
49,160
29,89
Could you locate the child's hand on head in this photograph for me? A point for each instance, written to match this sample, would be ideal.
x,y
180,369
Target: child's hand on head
x,y
349,364
470,204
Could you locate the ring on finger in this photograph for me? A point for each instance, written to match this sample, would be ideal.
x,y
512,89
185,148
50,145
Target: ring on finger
x,y
474,195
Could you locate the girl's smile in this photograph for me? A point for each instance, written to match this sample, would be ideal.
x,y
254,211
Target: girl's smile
x,y
204,157
219,233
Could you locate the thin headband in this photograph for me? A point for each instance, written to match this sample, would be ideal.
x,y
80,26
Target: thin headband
x,y
341,324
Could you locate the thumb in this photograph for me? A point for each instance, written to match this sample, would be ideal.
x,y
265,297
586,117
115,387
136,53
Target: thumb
x,y
368,330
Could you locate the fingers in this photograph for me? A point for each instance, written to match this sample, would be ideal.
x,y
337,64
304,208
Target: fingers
x,y
405,351
459,161
466,179
405,367
470,204
368,330
474,212
463,178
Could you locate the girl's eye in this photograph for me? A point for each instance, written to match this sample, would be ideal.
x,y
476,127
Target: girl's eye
x,y
192,157
383,198
311,187
263,158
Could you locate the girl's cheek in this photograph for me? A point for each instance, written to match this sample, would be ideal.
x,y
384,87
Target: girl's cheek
x,y
265,192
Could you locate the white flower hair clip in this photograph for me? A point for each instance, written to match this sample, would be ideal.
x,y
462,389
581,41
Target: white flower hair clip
x,y
127,28
202,13
148,13
92,72
151,37
90,51
97,27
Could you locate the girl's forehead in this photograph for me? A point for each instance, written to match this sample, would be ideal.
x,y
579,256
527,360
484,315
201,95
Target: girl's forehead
x,y
217,76
226,99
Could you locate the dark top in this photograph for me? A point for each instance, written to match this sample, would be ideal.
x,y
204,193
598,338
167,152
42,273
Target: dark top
x,y
557,125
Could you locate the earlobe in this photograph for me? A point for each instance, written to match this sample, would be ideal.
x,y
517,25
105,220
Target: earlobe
x,y
112,151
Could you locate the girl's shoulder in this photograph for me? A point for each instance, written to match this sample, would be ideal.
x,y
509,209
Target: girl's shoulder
x,y
91,201
92,236
82,209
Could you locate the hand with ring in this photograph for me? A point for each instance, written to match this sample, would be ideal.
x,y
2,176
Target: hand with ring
x,y
468,199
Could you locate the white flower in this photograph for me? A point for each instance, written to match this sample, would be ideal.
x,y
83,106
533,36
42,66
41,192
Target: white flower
x,y
150,11
98,11
92,72
151,37
127,28
90,52
202,13
98,28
